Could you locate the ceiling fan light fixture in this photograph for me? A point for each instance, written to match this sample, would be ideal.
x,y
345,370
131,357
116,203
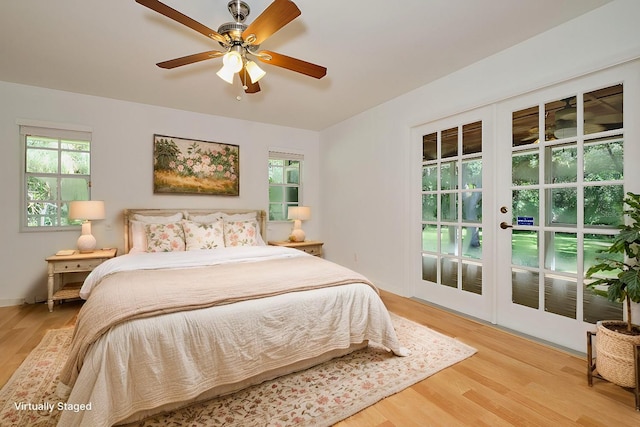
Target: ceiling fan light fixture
x,y
233,61
226,74
255,72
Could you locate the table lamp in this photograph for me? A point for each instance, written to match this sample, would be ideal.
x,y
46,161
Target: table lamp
x,y
298,214
86,210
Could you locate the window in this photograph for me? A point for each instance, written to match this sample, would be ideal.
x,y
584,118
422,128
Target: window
x,y
285,188
56,171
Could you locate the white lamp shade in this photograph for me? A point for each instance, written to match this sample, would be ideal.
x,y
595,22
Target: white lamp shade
x,y
87,209
255,72
226,74
233,61
302,213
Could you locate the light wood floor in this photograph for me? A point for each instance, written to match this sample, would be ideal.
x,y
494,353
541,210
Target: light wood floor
x,y
511,381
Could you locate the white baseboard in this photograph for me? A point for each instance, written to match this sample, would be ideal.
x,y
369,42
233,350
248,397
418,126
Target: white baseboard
x,y
11,302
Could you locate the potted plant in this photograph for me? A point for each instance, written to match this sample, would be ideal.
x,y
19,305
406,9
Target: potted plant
x,y
617,277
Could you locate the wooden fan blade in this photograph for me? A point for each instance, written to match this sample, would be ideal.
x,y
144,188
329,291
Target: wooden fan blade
x,y
183,19
190,59
293,64
246,81
277,15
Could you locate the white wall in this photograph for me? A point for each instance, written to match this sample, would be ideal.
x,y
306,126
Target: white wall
x,y
122,168
364,160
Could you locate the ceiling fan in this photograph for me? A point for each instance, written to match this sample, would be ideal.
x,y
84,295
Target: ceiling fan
x,y
241,42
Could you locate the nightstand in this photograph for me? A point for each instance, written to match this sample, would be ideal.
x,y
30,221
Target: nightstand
x,y
58,288
312,247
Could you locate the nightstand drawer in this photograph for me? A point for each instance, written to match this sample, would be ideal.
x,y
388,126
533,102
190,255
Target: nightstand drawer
x,y
312,250
77,265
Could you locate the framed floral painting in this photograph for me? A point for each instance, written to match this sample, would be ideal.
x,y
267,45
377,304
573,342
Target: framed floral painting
x,y
195,167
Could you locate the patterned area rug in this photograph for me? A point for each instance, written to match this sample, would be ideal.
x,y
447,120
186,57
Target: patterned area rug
x,y
319,396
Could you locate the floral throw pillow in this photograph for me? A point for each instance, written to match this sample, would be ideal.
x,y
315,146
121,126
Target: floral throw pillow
x,y
241,233
203,236
165,237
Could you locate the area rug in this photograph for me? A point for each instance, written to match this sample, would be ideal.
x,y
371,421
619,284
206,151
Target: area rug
x,y
319,396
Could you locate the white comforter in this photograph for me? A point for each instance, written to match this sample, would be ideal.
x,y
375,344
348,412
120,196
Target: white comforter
x,y
172,359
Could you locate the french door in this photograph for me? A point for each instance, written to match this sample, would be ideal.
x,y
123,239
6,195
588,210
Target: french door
x,y
517,198
560,194
455,209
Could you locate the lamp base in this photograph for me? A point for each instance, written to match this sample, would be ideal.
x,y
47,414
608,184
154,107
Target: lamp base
x,y
86,244
297,235
86,241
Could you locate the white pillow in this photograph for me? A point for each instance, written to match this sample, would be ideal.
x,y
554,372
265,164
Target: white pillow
x,y
138,233
205,219
203,236
158,219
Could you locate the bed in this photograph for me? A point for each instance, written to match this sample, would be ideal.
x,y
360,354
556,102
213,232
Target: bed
x,y
200,306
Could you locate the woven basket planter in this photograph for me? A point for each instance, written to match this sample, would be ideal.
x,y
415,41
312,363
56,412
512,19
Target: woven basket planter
x,y
614,355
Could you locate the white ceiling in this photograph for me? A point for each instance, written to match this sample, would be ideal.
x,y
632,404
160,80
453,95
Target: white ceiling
x,y
375,50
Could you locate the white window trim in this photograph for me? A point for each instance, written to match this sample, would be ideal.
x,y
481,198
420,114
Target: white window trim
x,y
53,130
287,154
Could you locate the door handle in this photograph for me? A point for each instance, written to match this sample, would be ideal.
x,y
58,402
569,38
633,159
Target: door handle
x,y
504,225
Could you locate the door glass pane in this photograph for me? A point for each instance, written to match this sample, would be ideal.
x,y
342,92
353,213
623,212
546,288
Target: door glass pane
x,y
524,126
472,138
526,203
525,287
564,164
450,272
603,109
429,207
472,174
430,268
603,205
563,205
449,206
472,242
593,245
472,277
524,248
429,178
561,252
524,168
598,308
430,147
603,160
449,143
560,295
472,206
449,176
429,238
449,240
561,117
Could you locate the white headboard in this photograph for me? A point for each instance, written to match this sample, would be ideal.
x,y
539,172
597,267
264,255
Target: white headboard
x,y
261,217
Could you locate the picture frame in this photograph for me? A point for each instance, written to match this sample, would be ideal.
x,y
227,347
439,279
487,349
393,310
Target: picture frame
x,y
191,166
